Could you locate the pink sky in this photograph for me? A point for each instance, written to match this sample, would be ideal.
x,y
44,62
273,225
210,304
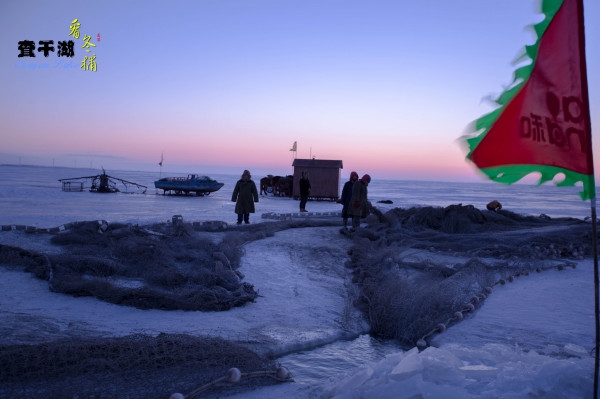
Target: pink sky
x,y
230,85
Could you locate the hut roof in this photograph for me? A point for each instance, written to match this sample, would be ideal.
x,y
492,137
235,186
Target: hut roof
x,y
318,163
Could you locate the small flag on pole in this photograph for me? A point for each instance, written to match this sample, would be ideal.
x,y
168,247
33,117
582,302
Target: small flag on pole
x,y
161,159
294,146
543,120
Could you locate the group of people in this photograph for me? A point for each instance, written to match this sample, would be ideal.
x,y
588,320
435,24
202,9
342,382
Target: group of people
x,y
355,204
354,197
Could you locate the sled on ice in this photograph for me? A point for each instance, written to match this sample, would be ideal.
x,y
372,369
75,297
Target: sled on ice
x,y
201,185
101,183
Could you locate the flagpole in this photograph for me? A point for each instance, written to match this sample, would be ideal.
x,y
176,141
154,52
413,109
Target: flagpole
x,y
588,122
160,164
162,156
597,294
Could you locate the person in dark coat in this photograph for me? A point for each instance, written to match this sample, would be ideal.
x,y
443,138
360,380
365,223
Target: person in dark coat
x,y
359,205
244,195
304,191
346,196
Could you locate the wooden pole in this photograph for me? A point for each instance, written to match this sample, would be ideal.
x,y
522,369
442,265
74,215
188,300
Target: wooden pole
x,y
590,159
596,295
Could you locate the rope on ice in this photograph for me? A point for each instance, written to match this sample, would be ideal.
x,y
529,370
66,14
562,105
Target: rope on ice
x,y
470,307
215,225
233,376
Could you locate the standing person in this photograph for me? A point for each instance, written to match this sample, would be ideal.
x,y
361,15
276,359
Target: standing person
x,y
304,191
244,196
346,196
359,205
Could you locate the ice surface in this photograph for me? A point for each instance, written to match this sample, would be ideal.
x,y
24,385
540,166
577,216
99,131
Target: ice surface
x,y
531,338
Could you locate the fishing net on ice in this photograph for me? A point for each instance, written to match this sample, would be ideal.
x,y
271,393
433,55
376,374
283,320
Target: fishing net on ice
x,y
138,366
418,268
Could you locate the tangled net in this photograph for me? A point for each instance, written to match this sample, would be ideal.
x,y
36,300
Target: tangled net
x,y
138,366
463,253
146,267
402,299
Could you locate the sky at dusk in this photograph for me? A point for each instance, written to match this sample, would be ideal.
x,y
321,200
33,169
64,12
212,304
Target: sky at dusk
x,y
388,87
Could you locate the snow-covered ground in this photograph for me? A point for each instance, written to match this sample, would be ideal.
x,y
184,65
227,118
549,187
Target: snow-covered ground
x,y
530,338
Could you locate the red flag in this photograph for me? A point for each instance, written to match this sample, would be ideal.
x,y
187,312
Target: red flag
x,y
161,159
543,123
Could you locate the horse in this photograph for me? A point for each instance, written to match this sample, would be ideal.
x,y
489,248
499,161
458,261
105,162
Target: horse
x,y
265,185
269,184
284,186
